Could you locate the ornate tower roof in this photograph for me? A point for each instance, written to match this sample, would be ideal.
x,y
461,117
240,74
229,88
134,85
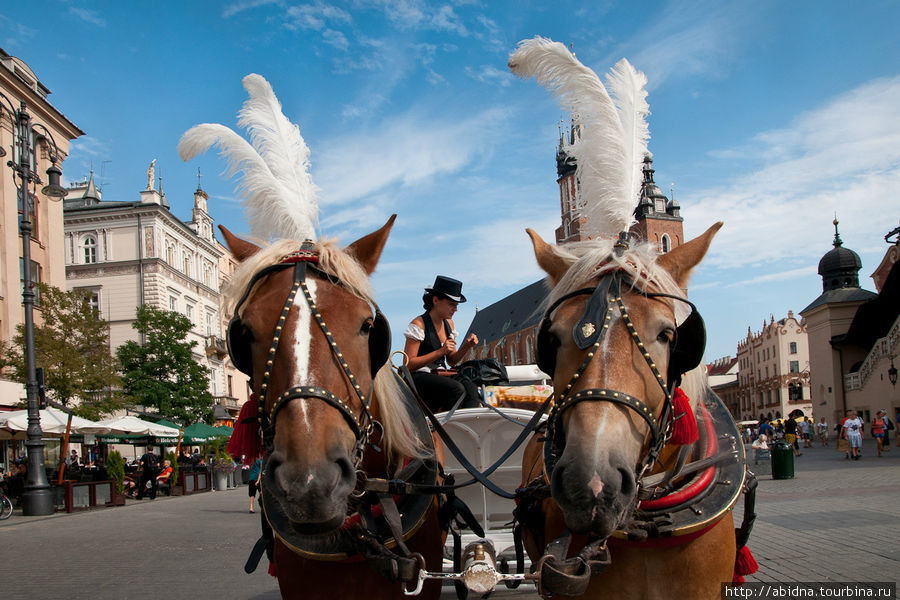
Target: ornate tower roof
x,y
840,266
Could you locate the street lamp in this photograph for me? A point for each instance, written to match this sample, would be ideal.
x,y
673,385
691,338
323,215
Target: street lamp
x,y
892,372
26,137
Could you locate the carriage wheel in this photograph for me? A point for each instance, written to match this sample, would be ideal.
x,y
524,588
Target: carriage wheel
x,y
6,507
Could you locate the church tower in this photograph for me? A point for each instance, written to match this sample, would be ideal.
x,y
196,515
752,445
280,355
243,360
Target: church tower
x,y
658,218
570,201
202,223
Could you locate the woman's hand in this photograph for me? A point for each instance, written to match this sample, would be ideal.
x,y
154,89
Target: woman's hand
x,y
449,346
472,340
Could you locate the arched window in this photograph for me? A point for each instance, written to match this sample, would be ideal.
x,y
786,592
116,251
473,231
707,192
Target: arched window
x,y
170,254
90,249
512,355
666,243
529,350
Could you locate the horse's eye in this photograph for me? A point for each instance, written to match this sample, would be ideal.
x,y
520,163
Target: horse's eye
x,y
366,327
666,336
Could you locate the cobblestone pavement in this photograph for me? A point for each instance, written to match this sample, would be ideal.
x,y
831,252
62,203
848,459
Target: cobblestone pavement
x,y
835,520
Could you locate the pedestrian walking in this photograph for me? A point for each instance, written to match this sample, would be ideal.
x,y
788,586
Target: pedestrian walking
x,y
879,426
255,475
853,430
822,431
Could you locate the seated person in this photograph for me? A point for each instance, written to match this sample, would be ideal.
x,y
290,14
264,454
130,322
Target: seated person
x,y
130,486
162,480
431,346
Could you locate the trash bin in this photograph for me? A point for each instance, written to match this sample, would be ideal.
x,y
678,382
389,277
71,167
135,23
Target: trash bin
x,y
782,460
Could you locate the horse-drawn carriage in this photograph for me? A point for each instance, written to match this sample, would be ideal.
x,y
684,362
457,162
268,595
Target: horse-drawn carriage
x,y
619,485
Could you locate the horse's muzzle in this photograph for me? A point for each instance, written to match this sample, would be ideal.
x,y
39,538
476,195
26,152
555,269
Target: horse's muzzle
x,y
313,497
595,498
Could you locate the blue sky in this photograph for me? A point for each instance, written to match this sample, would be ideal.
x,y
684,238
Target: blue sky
x,y
770,116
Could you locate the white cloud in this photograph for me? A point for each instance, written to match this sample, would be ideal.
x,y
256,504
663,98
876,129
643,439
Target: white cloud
x,y
402,151
88,16
809,270
842,157
335,38
237,7
687,39
316,16
491,74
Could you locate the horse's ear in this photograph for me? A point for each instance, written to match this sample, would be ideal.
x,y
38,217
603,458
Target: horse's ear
x,y
680,261
242,249
551,261
367,249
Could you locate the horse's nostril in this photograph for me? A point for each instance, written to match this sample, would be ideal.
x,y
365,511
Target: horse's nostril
x,y
348,473
628,483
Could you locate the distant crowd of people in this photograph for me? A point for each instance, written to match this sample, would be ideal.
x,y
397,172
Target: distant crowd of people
x,y
797,429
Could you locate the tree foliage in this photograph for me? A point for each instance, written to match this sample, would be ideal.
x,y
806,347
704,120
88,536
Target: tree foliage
x,y
162,372
71,343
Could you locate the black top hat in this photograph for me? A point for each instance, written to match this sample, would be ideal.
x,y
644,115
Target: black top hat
x,y
448,288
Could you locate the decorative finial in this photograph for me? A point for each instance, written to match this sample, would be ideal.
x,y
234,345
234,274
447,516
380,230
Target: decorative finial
x,y
198,179
837,236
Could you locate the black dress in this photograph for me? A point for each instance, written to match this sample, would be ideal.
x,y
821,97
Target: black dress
x,y
442,392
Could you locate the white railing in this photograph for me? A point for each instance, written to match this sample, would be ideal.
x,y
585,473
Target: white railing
x,y
884,348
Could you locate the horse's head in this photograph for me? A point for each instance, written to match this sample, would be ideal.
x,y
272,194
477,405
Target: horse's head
x,y
610,367
309,335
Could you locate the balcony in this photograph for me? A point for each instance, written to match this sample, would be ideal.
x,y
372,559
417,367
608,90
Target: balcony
x,y
216,346
883,349
229,403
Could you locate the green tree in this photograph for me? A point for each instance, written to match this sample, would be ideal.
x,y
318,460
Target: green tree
x,y
162,372
71,343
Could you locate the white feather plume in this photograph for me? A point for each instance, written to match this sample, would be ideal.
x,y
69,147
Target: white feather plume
x,y
627,86
279,195
603,154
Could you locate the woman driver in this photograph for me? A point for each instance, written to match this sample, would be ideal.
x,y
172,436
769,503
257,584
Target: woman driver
x,y
431,345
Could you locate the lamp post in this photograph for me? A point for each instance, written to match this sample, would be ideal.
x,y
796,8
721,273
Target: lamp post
x,y
892,373
26,137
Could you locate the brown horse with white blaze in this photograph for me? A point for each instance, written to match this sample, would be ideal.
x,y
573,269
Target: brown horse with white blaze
x,y
609,428
308,332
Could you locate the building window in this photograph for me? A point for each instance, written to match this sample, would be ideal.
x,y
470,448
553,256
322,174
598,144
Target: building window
x,y
210,330
795,366
529,350
170,254
230,392
793,348
35,279
189,313
795,392
32,212
666,243
212,381
173,303
90,250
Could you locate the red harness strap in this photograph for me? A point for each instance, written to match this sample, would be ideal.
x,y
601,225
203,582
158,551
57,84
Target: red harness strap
x,y
702,482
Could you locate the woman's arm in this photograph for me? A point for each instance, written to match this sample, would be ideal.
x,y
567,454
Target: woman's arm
x,y
412,349
460,353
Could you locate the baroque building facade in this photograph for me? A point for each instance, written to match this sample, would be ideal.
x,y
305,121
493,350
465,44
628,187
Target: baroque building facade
x,y
19,85
774,371
127,254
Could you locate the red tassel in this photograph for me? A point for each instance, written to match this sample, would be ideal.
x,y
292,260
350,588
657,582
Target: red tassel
x,y
272,571
744,564
245,439
684,427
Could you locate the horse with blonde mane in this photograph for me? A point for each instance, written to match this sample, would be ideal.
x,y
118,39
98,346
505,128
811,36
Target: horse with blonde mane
x,y
331,408
617,336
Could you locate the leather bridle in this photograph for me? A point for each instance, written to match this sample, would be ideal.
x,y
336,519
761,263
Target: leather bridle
x,y
607,294
363,425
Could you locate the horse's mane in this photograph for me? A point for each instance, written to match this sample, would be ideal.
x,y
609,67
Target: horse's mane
x,y
589,260
399,441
